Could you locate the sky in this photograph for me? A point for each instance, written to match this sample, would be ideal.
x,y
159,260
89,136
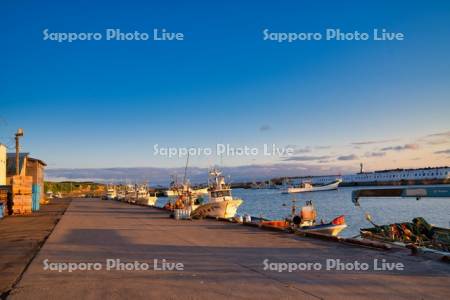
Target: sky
x,y
106,104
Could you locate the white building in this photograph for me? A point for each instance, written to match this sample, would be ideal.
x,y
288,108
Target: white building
x,y
441,173
2,164
398,175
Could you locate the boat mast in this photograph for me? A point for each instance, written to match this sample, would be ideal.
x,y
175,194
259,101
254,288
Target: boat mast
x,y
185,169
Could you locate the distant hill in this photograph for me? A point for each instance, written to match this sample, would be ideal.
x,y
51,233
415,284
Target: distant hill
x,y
161,176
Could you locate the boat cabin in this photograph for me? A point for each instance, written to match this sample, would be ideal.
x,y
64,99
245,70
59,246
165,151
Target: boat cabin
x,y
307,185
220,195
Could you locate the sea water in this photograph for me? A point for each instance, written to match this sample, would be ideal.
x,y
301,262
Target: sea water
x,y
271,204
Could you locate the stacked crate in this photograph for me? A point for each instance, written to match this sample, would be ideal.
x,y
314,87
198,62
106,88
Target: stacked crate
x,y
22,194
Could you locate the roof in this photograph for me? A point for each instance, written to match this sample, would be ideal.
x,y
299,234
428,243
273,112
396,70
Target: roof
x,y
38,160
11,162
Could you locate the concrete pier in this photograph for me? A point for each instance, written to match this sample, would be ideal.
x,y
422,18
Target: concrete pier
x,y
20,240
221,261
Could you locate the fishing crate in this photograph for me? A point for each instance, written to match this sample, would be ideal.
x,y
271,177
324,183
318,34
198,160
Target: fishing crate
x,y
23,204
21,185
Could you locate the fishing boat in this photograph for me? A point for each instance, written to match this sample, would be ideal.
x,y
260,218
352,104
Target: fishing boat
x,y
111,192
173,191
221,203
332,228
186,199
306,221
308,187
121,195
176,188
201,191
130,193
139,194
144,197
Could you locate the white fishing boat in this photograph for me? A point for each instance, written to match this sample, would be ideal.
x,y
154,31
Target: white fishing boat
x,y
121,195
139,194
170,193
201,191
308,187
130,193
187,199
111,193
173,191
144,197
175,188
221,203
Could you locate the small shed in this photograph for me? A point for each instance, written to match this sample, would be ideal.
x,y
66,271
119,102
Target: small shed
x,y
35,168
28,166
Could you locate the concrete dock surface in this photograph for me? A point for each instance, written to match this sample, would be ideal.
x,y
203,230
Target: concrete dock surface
x,y
220,261
22,236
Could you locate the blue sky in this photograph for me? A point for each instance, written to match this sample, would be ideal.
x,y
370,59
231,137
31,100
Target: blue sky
x,y
97,104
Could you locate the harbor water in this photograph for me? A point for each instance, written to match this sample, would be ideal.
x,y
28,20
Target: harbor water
x,y
272,204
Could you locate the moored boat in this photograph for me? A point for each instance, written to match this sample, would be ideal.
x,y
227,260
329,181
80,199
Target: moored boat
x,y
173,191
111,192
332,228
121,195
221,203
139,194
308,187
306,222
130,193
144,197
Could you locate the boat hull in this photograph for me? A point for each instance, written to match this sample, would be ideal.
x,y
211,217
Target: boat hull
x,y
150,201
170,193
328,229
174,193
222,209
329,187
203,191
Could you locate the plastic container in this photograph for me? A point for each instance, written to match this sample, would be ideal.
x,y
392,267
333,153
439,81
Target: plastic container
x,y
1,210
182,214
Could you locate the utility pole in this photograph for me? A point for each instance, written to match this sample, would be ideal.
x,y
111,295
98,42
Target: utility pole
x,y
19,134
